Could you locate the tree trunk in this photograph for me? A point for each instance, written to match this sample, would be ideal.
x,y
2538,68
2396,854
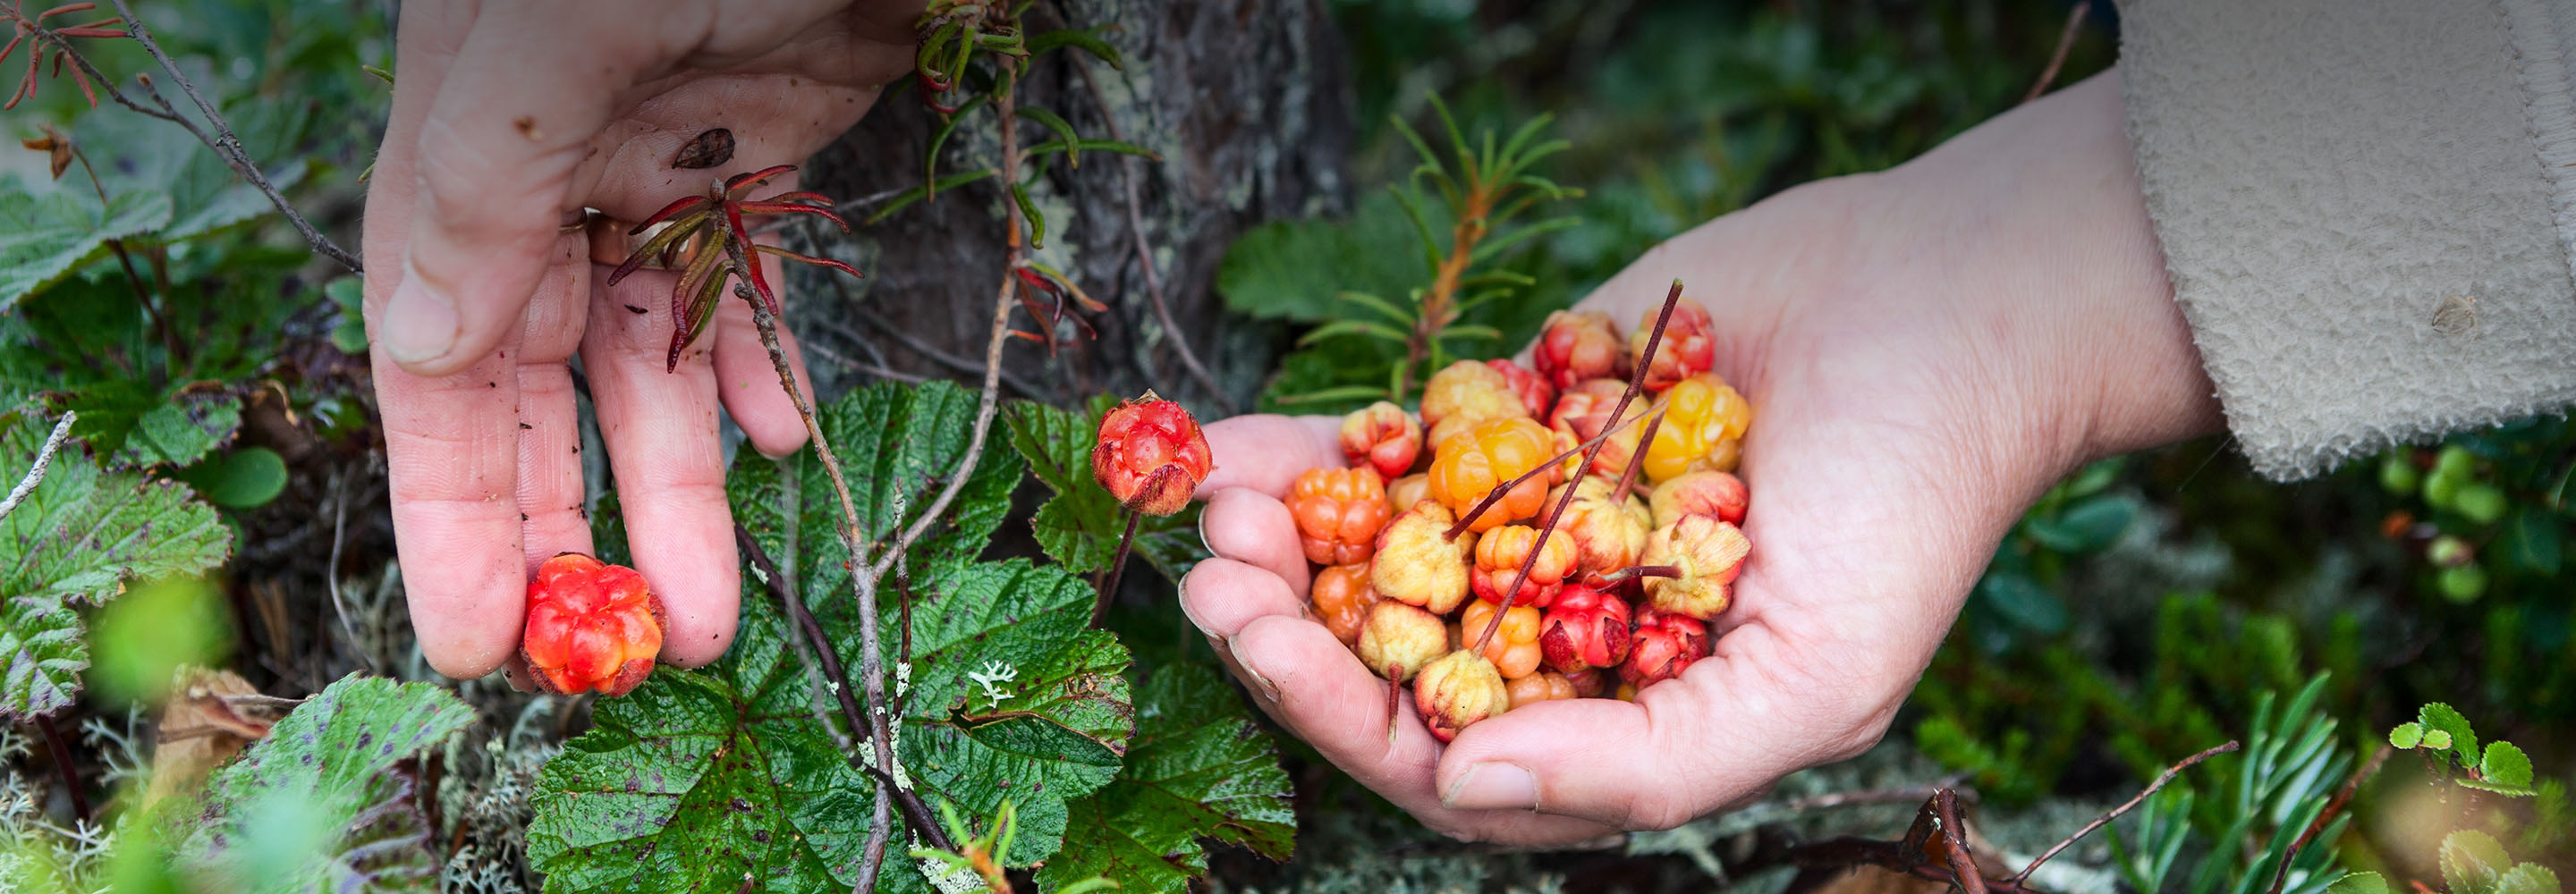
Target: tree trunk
x,y
1246,104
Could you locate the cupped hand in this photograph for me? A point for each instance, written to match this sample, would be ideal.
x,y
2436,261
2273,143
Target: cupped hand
x,y
1926,349
509,119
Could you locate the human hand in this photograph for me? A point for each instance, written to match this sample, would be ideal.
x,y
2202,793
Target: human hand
x,y
509,119
1927,349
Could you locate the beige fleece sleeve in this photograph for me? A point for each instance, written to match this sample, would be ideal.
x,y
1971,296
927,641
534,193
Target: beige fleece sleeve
x,y
2366,208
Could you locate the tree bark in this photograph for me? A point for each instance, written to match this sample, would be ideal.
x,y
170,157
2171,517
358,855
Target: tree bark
x,y
1246,103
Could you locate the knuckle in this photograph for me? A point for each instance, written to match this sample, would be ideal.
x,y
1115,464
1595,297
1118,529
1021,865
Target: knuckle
x,y
1658,812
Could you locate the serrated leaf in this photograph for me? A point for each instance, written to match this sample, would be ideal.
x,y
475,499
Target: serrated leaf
x,y
1079,527
1296,270
2464,740
2360,883
44,236
135,154
182,431
698,780
2503,769
332,759
76,539
2527,878
2437,740
2406,735
2472,861
1199,769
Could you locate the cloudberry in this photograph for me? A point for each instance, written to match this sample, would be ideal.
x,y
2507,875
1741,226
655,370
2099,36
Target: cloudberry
x,y
1514,648
1416,562
1338,514
1711,492
1664,645
1383,437
1703,428
1688,349
1608,532
1399,640
1536,393
1457,691
1585,629
1472,464
1576,345
1151,455
1583,413
1403,492
1707,553
1499,556
1593,683
1539,687
591,626
1464,394
1342,600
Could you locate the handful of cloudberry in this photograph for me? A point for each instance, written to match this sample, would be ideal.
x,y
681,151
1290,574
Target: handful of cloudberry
x,y
1491,566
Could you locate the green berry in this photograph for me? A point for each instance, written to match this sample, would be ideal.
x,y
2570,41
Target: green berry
x,y
2481,503
2442,487
2448,551
2397,473
2456,461
2463,584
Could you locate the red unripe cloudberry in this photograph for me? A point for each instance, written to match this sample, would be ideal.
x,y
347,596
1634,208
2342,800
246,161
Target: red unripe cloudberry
x,y
1576,345
1151,455
1383,437
1664,645
591,627
1586,628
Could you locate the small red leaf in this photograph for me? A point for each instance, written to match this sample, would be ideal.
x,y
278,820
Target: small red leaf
x,y
784,254
90,32
759,282
668,211
793,208
68,7
746,181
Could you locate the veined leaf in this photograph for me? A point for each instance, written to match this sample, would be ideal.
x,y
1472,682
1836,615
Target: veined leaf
x,y
1297,270
1080,525
43,237
1199,769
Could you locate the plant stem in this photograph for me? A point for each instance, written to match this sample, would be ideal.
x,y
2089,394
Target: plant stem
x,y
63,763
2105,819
44,458
1109,590
1436,312
1145,253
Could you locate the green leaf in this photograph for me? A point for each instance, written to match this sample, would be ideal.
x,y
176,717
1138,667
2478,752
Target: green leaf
x,y
2438,740
2360,883
2406,735
2503,769
898,446
2464,741
2534,539
331,764
1063,131
915,194
183,431
1297,270
2020,599
1029,210
2527,878
76,539
136,155
43,237
350,333
1085,38
2472,861
239,479
2086,527
1079,526
1199,769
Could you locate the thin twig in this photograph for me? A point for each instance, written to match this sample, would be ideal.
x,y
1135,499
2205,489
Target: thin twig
x,y
225,144
2105,819
1145,252
2065,44
331,572
63,763
44,458
1954,841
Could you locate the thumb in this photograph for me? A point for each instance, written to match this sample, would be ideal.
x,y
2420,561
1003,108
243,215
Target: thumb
x,y
1714,738
494,166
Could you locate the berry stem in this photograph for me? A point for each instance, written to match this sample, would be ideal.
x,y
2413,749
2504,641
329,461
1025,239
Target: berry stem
x,y
1634,572
1636,382
1100,603
63,763
1394,698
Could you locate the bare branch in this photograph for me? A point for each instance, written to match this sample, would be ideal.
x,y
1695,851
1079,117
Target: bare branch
x,y
2105,819
44,458
2065,43
1145,252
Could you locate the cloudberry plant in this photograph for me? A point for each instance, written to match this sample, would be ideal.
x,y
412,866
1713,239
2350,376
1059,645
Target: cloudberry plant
x,y
1536,393
1688,348
1470,465
1457,691
1342,598
1664,645
1539,687
1339,513
1399,640
1709,492
592,627
1383,437
1701,556
1583,413
1585,629
1499,556
1465,394
1151,455
1579,345
1416,562
1704,425
1514,649
1608,532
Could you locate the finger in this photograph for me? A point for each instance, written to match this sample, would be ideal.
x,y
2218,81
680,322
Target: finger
x,y
454,451
660,429
1222,596
747,378
552,518
1255,529
1679,752
1327,698
493,176
1265,452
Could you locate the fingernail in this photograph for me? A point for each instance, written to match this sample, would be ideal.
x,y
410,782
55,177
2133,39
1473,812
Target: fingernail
x,y
1261,681
420,323
1493,785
